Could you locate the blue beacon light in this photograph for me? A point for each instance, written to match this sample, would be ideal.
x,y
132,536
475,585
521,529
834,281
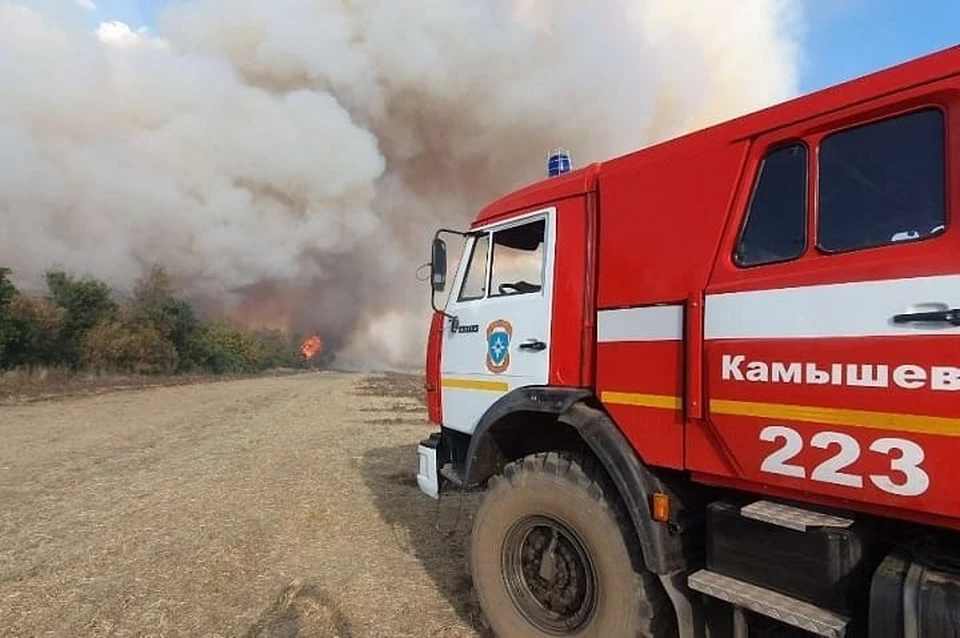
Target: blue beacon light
x,y
559,163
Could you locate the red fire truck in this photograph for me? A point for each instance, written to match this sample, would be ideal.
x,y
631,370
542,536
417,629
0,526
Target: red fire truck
x,y
713,386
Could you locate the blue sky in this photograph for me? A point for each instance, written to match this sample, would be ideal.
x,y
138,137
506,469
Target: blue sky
x,y
855,37
845,38
136,13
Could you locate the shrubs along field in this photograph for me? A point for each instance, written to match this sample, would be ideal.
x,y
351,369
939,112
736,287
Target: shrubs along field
x,y
80,324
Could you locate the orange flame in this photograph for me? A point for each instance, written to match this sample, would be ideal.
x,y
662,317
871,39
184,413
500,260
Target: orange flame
x,y
311,347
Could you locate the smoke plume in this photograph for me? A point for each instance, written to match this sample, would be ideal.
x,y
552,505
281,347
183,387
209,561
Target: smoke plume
x,y
287,161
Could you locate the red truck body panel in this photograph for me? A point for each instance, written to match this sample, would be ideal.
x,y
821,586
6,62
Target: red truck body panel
x,y
648,202
571,328
878,437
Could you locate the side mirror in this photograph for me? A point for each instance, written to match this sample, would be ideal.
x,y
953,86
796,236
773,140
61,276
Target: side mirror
x,y
438,265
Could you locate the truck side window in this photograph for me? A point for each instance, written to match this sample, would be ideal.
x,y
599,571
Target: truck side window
x,y
882,183
775,227
518,260
475,279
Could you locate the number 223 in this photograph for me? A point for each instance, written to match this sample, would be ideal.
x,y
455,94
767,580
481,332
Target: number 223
x,y
907,462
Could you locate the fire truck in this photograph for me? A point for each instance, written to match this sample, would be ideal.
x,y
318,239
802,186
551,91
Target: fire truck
x,y
712,387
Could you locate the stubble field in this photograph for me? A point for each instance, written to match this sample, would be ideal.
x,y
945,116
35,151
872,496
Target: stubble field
x,y
270,507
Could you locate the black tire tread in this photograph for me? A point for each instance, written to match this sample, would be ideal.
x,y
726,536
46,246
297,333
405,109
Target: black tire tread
x,y
583,471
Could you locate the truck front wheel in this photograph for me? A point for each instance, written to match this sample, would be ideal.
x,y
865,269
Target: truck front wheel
x,y
552,555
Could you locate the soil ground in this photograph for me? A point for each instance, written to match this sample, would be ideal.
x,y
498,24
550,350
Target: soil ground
x,y
270,507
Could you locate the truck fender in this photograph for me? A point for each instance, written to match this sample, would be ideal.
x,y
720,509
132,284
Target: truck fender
x,y
481,453
663,548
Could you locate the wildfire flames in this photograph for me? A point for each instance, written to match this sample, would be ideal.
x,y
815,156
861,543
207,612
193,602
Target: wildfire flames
x,y
311,347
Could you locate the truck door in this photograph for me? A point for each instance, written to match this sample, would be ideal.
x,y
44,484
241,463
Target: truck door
x,y
498,338
832,336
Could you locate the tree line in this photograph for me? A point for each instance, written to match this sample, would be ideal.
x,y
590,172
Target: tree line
x,y
83,325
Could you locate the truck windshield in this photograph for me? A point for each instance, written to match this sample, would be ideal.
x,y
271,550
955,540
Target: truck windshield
x,y
514,266
475,277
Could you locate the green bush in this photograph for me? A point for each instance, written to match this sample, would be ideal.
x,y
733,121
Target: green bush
x,y
81,324
138,348
227,350
7,292
86,303
155,303
33,338
278,349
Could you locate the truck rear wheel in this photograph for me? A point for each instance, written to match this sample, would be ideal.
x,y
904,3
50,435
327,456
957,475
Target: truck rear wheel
x,y
552,555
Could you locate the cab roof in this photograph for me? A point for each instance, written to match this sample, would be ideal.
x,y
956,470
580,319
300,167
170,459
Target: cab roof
x,y
570,184
922,70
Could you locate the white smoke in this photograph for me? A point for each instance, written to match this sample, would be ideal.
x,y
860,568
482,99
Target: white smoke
x,y
290,159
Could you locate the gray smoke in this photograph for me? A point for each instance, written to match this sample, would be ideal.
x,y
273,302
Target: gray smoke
x,y
287,161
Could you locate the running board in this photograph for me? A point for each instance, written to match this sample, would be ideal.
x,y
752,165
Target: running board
x,y
795,518
790,611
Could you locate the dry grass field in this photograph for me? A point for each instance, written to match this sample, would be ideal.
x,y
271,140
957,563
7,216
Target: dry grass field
x,y
270,507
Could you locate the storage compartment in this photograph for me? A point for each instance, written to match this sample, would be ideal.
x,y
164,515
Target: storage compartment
x,y
824,566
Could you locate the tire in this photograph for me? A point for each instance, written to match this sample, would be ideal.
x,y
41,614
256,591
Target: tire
x,y
597,582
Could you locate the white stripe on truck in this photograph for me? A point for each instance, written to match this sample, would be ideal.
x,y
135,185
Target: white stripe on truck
x,y
652,323
856,309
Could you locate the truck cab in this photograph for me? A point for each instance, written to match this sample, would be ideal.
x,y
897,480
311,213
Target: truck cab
x,y
714,384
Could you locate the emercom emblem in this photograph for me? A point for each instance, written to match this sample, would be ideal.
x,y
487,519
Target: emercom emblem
x,y
499,333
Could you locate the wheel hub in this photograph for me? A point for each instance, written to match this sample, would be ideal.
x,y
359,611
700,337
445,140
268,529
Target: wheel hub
x,y
549,575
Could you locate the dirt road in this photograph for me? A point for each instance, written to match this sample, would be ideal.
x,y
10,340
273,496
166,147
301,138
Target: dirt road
x,y
273,507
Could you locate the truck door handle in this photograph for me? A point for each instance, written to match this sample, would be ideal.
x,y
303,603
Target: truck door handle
x,y
951,316
532,344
